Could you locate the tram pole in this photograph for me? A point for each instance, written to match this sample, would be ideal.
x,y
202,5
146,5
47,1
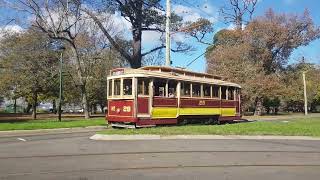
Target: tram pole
x,y
60,87
305,93
168,43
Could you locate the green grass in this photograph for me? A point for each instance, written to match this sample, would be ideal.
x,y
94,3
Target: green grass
x,y
51,124
295,127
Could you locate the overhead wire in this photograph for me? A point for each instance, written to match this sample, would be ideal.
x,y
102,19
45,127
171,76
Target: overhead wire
x,y
198,8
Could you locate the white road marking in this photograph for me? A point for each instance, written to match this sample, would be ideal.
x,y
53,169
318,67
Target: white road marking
x,y
21,139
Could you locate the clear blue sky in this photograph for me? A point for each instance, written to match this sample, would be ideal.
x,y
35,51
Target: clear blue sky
x,y
191,9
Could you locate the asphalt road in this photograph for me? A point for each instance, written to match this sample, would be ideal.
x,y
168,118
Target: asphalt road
x,y
74,156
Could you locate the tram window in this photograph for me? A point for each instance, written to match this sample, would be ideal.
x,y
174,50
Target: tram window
x,y
172,87
116,88
110,87
143,84
127,86
215,91
160,87
206,90
230,93
223,92
185,89
196,90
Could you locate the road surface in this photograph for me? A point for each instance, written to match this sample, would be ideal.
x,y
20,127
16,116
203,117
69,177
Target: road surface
x,y
74,156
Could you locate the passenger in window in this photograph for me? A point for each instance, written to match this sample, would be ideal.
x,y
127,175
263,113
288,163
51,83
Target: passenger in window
x,y
127,90
187,93
196,90
161,91
171,93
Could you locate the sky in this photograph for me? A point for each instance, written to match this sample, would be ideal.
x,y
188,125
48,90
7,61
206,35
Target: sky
x,y
191,10
310,52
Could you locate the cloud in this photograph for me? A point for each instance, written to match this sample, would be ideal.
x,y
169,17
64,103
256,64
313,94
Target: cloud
x,y
193,14
150,37
120,22
10,29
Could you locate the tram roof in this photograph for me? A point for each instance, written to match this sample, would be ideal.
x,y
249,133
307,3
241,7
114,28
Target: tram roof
x,y
174,73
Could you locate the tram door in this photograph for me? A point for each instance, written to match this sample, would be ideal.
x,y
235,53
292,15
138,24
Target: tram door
x,y
144,97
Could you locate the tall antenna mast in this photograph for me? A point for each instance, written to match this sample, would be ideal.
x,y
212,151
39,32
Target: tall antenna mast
x,y
168,43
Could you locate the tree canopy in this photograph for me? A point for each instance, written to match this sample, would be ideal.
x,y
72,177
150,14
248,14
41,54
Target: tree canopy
x,y
257,56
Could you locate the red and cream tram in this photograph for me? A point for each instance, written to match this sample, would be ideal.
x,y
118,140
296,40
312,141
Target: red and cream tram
x,y
155,95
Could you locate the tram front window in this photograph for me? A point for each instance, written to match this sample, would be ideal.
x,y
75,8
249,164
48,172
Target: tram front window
x,y
110,87
127,86
116,87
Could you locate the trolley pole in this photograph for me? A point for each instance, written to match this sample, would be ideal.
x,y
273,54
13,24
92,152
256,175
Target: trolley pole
x,y
305,93
168,43
60,86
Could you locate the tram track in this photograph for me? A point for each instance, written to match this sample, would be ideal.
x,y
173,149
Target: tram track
x,y
151,152
160,167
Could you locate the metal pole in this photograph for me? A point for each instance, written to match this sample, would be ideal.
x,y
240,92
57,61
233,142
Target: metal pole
x,y
305,93
60,89
168,16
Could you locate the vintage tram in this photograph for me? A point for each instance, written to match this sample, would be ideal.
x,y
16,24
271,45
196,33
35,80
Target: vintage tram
x,y
155,95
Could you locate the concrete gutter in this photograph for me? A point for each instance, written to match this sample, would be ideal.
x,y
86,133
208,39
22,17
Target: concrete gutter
x,y
159,137
14,133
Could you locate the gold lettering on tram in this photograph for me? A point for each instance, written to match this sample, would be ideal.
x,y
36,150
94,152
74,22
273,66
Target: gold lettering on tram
x,y
202,103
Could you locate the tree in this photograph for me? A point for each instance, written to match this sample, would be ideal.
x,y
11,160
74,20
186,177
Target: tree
x,y
256,56
64,21
277,35
29,67
239,12
143,15
292,77
233,62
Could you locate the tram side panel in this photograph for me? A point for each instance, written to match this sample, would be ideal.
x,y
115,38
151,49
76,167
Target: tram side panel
x,y
121,111
198,107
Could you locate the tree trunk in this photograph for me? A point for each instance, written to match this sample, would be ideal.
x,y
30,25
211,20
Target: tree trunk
x,y
27,110
102,108
34,105
136,44
82,82
15,105
137,36
54,106
268,109
258,108
85,103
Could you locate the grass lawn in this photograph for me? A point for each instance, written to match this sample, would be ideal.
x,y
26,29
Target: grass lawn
x,y
51,124
293,127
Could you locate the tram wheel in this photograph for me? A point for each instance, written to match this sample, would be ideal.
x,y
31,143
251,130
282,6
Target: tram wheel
x,y
183,121
214,121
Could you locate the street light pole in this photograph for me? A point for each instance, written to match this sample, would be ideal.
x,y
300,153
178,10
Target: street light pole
x,y
60,85
168,43
305,93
